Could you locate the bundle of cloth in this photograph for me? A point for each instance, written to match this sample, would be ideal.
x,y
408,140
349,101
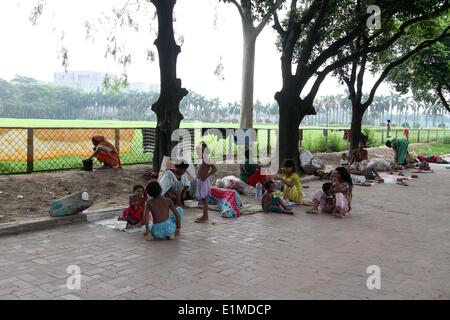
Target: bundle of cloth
x,y
432,159
228,202
232,182
309,163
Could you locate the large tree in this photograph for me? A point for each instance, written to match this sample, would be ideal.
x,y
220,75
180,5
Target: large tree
x,y
167,108
313,39
427,74
417,29
255,14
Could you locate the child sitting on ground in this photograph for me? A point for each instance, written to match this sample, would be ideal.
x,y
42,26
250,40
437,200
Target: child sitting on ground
x,y
323,199
203,191
165,225
273,204
293,188
344,160
133,214
139,191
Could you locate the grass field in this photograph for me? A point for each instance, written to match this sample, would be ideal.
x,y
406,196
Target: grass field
x,y
313,140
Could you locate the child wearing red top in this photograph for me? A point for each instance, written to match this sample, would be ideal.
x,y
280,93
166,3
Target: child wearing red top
x,y
133,214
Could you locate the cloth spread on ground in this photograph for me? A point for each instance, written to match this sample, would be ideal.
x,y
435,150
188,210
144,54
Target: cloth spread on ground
x,y
228,201
110,224
432,159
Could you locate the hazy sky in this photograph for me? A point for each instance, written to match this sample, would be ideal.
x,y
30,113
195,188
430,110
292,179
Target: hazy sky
x,y
33,50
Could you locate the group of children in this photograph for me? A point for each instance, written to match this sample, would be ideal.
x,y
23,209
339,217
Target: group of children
x,y
160,219
157,214
334,197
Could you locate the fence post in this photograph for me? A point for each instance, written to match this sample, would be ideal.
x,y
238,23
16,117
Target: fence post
x,y
382,137
30,150
396,133
428,136
117,140
418,136
269,149
437,132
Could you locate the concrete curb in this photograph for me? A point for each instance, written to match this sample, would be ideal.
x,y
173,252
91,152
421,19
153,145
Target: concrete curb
x,y
15,228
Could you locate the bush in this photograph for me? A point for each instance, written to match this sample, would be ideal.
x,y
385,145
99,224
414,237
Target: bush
x,y
334,143
370,134
446,140
442,125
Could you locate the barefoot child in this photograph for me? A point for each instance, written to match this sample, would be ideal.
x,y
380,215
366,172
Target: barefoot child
x,y
165,225
139,191
293,187
205,170
133,214
323,199
273,204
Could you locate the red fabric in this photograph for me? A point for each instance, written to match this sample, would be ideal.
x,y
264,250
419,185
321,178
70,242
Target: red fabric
x,y
255,178
107,158
406,133
129,214
227,195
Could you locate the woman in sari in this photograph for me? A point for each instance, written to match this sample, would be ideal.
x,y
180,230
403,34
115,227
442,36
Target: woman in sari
x,y
105,153
251,173
400,147
175,184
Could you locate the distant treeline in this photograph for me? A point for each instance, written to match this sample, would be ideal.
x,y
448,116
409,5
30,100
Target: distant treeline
x,y
30,99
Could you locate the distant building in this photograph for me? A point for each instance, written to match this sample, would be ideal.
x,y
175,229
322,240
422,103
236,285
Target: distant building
x,y
92,81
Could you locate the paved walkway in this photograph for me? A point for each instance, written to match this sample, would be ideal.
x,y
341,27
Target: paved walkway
x,y
403,230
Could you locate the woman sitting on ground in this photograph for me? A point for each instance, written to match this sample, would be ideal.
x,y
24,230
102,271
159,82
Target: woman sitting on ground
x,y
175,184
105,153
251,172
342,190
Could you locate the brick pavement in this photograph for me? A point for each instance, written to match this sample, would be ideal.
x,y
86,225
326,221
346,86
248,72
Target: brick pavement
x,y
254,257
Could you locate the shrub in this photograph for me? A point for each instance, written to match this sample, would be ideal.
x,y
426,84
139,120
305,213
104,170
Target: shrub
x,y
442,125
370,134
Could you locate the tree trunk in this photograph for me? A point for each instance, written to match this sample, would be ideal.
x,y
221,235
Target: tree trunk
x,y
248,75
291,115
358,111
167,108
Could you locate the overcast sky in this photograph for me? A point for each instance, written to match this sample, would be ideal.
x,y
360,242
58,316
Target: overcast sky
x,y
33,50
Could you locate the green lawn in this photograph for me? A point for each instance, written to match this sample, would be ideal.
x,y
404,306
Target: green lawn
x,y
313,140
432,149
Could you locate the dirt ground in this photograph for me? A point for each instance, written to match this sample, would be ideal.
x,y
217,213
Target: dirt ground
x,y
29,196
